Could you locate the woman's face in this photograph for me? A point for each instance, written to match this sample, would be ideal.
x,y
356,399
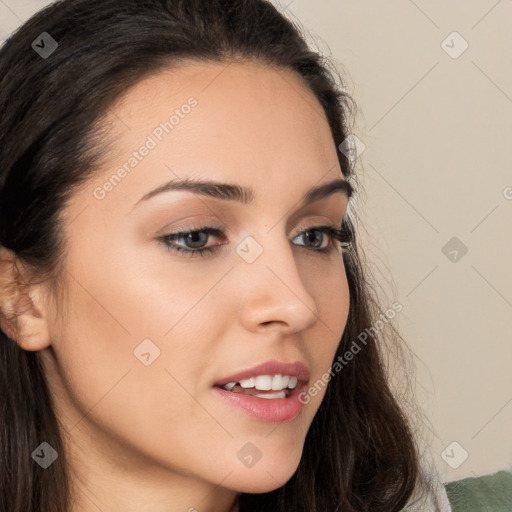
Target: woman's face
x,y
145,332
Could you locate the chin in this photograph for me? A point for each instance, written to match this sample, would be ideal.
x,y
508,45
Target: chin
x,y
262,479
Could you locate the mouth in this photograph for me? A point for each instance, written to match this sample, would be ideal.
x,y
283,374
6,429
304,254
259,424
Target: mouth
x,y
264,386
270,375
267,397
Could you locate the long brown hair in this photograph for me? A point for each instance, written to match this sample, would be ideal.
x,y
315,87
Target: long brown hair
x,y
360,453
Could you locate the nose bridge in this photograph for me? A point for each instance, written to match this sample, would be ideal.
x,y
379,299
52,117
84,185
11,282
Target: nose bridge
x,y
275,291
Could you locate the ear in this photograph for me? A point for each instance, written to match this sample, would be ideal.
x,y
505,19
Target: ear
x,y
22,311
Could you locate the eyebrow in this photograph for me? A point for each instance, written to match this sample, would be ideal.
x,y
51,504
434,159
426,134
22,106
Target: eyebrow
x,y
244,195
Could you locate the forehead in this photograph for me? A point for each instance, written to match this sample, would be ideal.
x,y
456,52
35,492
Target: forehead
x,y
242,87
237,99
245,122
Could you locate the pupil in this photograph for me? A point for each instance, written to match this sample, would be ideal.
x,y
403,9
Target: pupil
x,y
192,236
312,238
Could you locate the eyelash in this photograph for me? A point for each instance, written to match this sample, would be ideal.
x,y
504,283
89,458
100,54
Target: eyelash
x,y
343,236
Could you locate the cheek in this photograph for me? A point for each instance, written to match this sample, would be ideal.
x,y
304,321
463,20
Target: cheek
x,y
333,301
331,292
118,318
111,388
329,287
124,318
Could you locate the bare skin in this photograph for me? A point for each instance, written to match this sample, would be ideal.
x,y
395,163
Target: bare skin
x,y
156,437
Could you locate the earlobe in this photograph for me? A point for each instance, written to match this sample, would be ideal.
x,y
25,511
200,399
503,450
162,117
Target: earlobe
x,y
22,316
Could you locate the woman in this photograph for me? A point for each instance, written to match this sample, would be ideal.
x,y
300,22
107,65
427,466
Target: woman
x,y
186,317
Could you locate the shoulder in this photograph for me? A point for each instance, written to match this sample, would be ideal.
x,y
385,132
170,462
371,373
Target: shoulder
x,y
487,493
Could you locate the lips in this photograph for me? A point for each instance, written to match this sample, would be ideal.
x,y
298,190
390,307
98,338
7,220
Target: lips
x,y
296,369
267,409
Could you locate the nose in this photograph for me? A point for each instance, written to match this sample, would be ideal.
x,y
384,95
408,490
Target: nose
x,y
274,295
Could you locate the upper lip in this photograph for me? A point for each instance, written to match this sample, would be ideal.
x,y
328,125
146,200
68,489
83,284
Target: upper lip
x,y
295,369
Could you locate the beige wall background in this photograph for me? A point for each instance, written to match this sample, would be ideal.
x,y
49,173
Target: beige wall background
x,y
433,83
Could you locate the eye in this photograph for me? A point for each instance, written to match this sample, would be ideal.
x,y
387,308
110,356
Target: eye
x,y
316,236
196,239
343,236
192,237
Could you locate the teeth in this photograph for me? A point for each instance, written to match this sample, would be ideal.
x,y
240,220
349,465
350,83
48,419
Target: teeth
x,y
263,382
280,394
247,383
277,382
266,383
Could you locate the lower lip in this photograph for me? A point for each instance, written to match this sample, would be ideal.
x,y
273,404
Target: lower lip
x,y
266,409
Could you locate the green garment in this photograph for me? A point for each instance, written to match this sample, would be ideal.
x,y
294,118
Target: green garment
x,y
488,493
